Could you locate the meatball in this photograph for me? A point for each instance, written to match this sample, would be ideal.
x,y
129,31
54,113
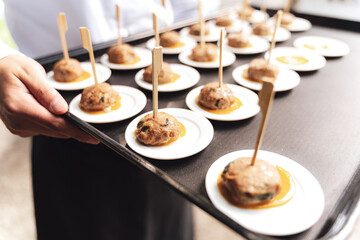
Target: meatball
x,y
262,29
250,185
258,69
98,97
238,40
206,54
213,97
195,29
248,12
287,18
121,53
165,75
158,131
169,38
223,21
67,71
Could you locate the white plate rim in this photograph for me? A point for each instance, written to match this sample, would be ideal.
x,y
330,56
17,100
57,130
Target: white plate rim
x,y
177,68
251,109
143,53
228,59
138,96
303,25
103,72
239,79
204,126
282,35
302,178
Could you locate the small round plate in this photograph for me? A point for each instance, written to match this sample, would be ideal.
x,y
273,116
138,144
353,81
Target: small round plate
x,y
298,25
228,59
103,74
299,214
145,60
212,37
132,102
286,80
315,60
258,45
281,35
188,42
199,133
235,27
248,98
328,47
257,17
188,78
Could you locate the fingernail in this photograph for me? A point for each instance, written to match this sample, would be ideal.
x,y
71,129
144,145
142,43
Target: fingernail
x,y
58,106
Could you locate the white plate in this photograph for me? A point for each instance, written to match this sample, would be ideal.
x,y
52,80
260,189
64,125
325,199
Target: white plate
x,y
189,43
145,60
259,45
328,47
298,25
228,59
281,35
212,37
199,133
248,98
299,214
236,26
132,102
257,17
188,78
316,61
103,74
286,80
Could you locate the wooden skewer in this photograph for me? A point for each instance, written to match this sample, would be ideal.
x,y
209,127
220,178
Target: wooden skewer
x,y
266,97
63,28
287,6
157,59
156,29
222,32
243,15
164,6
86,42
118,23
263,7
278,20
202,25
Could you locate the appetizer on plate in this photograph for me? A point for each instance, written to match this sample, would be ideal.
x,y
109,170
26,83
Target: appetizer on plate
x,y
166,75
195,29
67,70
206,53
262,29
169,39
224,21
259,68
214,97
122,54
238,40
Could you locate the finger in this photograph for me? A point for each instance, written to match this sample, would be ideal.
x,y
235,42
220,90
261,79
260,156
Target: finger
x,y
34,77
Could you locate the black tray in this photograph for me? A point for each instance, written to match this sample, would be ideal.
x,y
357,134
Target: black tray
x,y
315,124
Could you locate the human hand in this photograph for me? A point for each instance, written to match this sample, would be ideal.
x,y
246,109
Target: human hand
x,y
29,106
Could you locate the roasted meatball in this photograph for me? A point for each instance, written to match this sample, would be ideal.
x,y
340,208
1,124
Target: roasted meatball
x,y
262,29
207,54
158,131
121,53
213,97
250,185
238,40
248,11
287,18
169,38
258,69
165,75
223,21
98,97
67,71
195,29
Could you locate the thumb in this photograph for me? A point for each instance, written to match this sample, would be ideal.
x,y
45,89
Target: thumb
x,y
45,94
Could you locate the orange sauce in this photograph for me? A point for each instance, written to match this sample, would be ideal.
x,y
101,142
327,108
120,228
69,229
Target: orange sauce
x,y
249,45
137,59
82,77
177,45
286,193
294,60
214,60
236,105
113,107
174,77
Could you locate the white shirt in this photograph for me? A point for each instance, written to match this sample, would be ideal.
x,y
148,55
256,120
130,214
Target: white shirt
x,y
33,24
